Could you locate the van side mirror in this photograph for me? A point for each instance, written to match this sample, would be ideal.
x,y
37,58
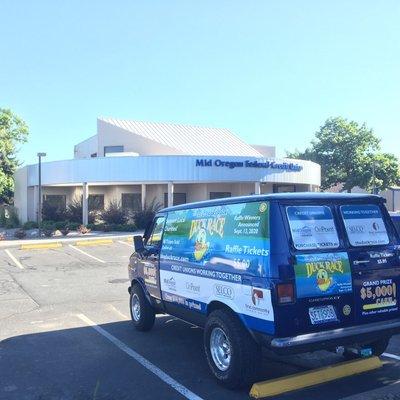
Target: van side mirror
x,y
138,243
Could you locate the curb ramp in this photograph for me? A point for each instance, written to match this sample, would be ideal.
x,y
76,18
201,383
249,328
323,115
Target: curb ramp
x,y
302,380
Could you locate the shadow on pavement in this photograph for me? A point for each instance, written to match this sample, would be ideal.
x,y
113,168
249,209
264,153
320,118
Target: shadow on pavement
x,y
81,364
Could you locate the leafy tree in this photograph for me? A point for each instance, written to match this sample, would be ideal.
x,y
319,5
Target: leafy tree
x,y
349,155
13,130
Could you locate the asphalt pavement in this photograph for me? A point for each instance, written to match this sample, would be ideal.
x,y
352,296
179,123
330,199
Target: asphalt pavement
x,y
65,333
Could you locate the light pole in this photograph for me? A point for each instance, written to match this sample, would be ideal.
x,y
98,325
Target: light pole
x,y
39,216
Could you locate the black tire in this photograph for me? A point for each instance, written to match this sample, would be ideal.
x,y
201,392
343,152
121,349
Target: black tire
x,y
144,320
245,353
378,347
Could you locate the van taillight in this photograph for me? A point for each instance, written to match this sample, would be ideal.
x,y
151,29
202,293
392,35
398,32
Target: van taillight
x,y
285,292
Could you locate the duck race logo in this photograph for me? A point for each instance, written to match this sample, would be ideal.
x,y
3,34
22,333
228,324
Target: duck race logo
x,y
200,228
322,274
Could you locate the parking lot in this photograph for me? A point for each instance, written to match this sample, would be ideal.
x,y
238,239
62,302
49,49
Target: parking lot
x,y
65,333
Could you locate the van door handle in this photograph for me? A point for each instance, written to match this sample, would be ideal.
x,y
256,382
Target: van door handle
x,y
358,262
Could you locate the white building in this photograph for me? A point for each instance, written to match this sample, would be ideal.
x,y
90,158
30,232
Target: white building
x,y
135,162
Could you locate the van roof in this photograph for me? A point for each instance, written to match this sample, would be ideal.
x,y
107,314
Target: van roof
x,y
278,196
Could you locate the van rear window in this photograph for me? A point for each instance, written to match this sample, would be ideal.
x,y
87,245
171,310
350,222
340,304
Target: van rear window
x,y
364,225
312,227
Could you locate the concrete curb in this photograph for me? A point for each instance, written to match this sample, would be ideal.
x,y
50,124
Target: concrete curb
x,y
278,386
59,242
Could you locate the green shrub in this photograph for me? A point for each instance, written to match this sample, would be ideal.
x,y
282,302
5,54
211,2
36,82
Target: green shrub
x,y
20,234
144,217
30,225
60,225
73,226
74,212
48,228
114,214
52,212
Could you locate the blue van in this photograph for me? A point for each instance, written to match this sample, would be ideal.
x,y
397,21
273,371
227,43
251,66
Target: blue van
x,y
291,272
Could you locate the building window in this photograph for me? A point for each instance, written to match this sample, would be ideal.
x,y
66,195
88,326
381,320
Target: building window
x,y
131,201
178,198
219,195
113,149
284,188
96,202
55,200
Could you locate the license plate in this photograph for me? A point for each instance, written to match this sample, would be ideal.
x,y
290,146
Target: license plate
x,y
321,315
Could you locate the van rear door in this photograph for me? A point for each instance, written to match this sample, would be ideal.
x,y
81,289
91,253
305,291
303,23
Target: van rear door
x,y
322,270
374,260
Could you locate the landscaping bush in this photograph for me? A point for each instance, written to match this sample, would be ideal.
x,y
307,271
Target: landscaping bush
x,y
51,212
19,234
30,225
74,212
73,226
144,217
114,214
60,225
48,228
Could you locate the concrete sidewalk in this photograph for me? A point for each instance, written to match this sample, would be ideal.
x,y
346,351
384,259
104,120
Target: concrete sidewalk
x,y
58,241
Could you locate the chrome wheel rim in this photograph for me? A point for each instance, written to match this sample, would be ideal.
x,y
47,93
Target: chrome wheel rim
x,y
220,349
135,306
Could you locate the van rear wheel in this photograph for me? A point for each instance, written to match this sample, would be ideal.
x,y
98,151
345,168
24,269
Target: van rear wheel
x,y
232,354
142,313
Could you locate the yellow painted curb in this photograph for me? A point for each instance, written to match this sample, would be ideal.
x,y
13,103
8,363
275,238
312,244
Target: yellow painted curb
x,y
40,246
93,242
302,380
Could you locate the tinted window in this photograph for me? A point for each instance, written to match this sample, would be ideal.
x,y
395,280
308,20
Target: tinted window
x,y
96,202
156,233
312,227
113,149
131,201
219,195
178,198
364,225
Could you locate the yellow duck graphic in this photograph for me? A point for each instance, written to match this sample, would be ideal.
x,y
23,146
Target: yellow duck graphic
x,y
200,246
323,280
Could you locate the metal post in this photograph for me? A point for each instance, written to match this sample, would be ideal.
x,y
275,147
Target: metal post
x,y
39,216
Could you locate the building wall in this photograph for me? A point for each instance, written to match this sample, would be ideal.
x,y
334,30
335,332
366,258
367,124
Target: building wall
x,y
86,148
111,135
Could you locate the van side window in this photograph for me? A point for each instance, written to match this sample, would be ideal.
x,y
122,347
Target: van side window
x,y
156,234
364,225
312,227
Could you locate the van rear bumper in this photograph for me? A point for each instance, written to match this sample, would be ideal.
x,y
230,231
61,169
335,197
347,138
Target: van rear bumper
x,y
360,334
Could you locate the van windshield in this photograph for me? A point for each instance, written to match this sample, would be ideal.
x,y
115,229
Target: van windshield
x,y
312,227
364,225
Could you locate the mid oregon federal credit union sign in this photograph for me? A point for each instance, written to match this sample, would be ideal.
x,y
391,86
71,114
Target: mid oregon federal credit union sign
x,y
288,166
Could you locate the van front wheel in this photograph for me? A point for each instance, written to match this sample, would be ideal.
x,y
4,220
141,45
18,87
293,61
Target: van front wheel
x,y
232,354
142,313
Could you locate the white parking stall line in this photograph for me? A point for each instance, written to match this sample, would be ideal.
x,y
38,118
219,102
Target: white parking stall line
x,y
115,309
390,355
141,360
87,254
126,243
15,261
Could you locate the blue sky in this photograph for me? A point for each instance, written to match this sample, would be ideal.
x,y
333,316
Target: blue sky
x,y
270,71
